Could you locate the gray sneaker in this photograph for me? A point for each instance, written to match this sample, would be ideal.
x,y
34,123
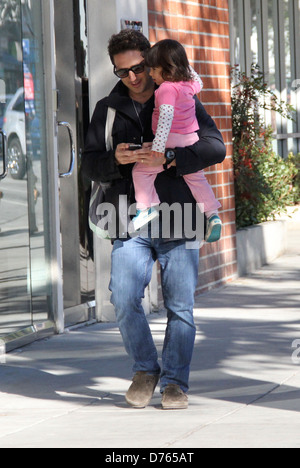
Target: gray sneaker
x,y
142,389
174,398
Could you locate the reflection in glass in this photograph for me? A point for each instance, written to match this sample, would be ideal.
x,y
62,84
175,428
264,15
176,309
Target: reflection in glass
x,y
83,118
15,304
236,37
290,71
254,32
24,237
272,60
36,157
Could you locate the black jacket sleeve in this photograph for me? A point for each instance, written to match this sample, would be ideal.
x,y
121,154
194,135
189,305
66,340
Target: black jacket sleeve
x,y
98,164
208,151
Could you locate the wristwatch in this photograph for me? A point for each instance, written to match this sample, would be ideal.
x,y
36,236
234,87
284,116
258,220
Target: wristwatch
x,y
170,155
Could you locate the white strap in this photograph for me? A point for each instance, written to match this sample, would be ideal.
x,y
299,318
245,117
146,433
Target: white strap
x,y
111,115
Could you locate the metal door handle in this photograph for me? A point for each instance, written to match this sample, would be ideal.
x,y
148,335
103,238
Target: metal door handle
x,y
4,154
72,149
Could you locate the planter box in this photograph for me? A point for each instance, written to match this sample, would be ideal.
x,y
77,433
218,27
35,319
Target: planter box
x,y
259,245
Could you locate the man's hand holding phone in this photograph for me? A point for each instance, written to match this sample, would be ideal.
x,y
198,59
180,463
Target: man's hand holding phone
x,y
134,147
130,153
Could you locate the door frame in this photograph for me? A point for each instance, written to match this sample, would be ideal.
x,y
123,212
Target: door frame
x,y
58,316
51,99
55,321
84,312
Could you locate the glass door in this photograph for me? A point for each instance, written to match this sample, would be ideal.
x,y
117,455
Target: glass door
x,y
15,297
25,286
46,273
72,120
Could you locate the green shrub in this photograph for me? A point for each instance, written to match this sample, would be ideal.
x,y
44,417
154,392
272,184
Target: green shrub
x,y
264,182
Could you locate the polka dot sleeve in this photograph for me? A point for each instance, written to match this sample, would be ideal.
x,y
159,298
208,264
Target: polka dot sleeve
x,y
166,116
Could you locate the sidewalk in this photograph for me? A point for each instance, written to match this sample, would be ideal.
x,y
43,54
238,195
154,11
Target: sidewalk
x,y
68,391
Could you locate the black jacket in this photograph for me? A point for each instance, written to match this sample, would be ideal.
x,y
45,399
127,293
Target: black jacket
x,y
100,166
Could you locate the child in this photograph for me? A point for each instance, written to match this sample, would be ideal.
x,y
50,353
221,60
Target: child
x,y
174,125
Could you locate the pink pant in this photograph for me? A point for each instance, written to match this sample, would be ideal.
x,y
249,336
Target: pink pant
x,y
144,179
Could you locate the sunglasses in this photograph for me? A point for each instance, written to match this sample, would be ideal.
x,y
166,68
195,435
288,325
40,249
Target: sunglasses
x,y
124,72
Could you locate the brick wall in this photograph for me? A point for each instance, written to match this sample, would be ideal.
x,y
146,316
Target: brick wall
x,y
202,26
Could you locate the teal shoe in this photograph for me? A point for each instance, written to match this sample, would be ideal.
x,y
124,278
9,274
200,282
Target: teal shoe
x,y
144,217
214,229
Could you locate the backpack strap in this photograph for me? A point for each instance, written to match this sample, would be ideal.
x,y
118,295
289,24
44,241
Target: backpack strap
x,y
110,119
98,189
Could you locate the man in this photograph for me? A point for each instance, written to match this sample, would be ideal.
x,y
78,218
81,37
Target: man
x,y
133,258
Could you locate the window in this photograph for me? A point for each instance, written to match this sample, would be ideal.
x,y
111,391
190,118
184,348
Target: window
x,y
254,50
19,105
266,32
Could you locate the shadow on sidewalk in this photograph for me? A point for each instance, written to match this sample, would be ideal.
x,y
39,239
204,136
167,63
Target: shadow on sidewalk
x,y
236,360
83,367
243,352
243,360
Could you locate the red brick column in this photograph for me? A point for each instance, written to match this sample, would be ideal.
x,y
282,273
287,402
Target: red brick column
x,y
202,26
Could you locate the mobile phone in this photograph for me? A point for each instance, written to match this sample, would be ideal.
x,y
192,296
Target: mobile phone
x,y
134,147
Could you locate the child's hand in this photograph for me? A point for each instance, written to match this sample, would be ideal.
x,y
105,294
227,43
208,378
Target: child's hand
x,y
155,154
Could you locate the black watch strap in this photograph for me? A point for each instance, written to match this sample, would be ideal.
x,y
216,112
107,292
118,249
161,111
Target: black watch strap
x,y
170,155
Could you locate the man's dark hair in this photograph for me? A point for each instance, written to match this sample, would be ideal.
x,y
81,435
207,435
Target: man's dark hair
x,y
172,57
126,40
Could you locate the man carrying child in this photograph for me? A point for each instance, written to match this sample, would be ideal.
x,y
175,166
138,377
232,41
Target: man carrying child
x,y
133,258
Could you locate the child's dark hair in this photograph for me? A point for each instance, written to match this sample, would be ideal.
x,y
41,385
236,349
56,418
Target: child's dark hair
x,y
172,57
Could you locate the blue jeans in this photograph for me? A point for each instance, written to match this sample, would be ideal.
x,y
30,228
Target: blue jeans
x,y
132,264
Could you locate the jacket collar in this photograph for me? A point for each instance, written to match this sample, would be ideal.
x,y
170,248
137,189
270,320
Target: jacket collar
x,y
120,100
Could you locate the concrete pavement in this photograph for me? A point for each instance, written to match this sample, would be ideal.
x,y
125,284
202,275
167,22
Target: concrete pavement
x,y
68,391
